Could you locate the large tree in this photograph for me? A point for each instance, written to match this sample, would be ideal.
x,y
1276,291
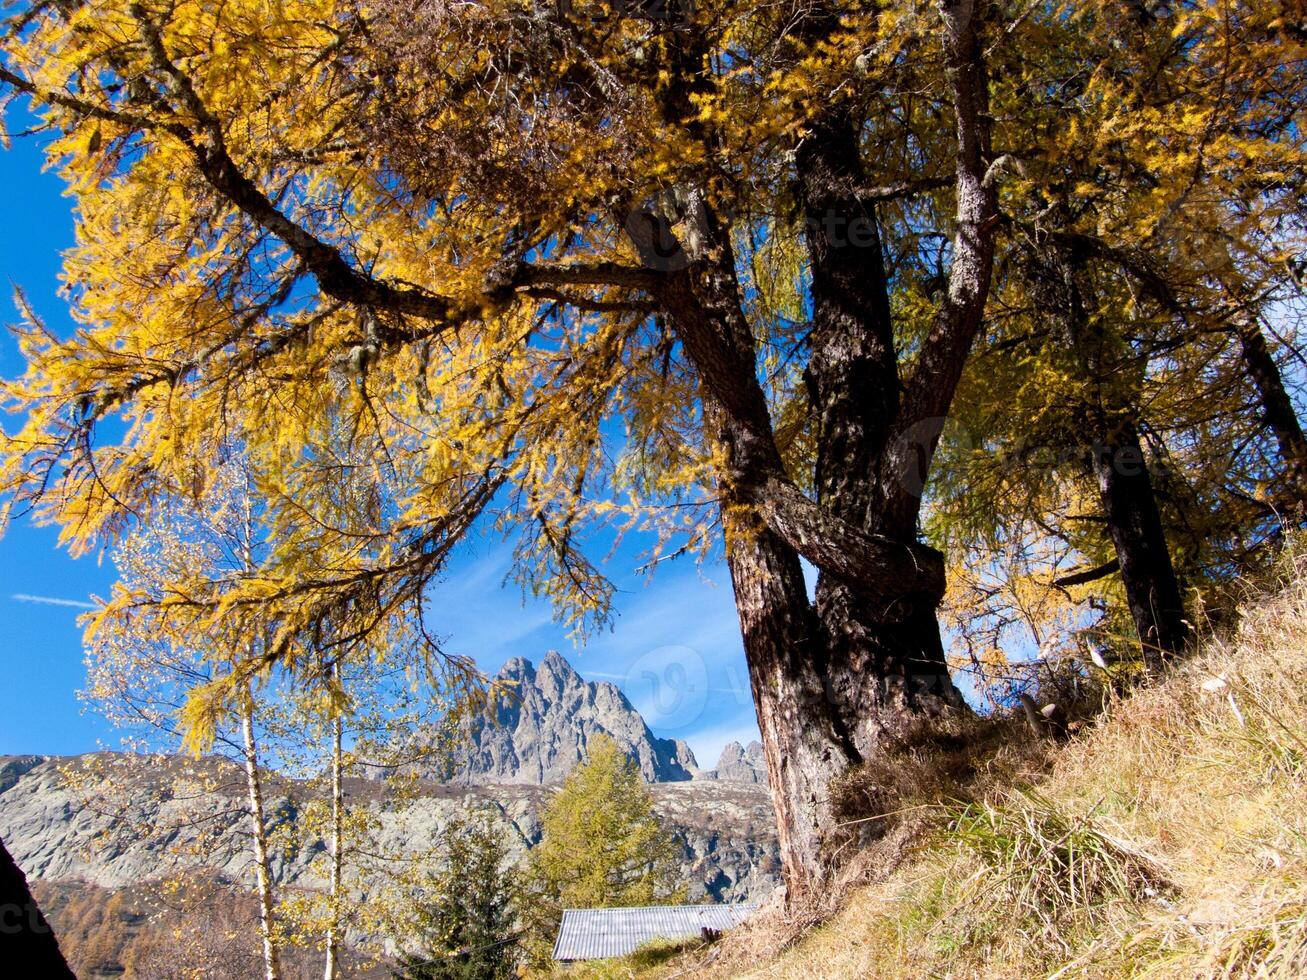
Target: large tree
x,y
712,268
1135,390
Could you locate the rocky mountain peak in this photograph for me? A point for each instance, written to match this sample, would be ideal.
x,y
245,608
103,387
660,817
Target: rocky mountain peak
x,y
556,663
740,763
517,668
539,724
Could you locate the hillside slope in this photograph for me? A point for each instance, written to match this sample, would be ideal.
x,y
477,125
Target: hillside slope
x,y
1167,840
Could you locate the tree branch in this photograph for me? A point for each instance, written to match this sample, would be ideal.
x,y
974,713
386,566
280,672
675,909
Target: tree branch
x,y
873,565
335,276
930,390
906,188
596,274
1087,575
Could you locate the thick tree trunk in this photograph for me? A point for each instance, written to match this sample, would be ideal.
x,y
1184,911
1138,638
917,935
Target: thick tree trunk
x,y
883,662
1130,506
834,686
27,943
865,668
803,749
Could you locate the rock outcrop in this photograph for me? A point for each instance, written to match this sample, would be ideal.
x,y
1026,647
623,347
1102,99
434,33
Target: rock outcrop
x,y
740,764
537,728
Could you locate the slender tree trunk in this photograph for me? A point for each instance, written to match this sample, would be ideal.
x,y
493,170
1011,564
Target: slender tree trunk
x,y
337,819
259,828
1121,469
1130,506
254,781
1277,407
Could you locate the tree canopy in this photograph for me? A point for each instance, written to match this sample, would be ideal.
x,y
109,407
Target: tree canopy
x,y
717,270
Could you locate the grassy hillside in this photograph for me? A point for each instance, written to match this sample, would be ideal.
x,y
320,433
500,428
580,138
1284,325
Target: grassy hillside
x,y
1168,839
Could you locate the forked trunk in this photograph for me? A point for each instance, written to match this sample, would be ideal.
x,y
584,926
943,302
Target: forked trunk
x,y
880,658
827,702
853,677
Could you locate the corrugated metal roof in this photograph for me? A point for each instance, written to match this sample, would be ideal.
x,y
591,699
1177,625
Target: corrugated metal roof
x,y
596,934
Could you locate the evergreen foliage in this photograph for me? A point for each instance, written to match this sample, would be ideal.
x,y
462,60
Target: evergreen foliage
x,y
603,845
466,917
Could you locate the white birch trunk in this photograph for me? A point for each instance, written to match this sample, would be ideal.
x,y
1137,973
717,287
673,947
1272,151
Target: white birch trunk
x,y
337,819
259,825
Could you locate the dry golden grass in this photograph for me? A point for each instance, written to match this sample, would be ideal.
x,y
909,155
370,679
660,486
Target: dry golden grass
x,y
1169,840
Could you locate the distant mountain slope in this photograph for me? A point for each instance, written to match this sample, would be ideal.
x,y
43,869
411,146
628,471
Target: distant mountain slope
x,y
148,817
515,748
96,832
538,731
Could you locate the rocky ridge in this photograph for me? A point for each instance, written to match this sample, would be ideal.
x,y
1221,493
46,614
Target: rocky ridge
x,y
94,831
115,820
539,720
741,764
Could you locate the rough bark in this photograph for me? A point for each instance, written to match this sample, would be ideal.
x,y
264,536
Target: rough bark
x,y
1133,519
1120,467
864,669
881,657
803,749
27,943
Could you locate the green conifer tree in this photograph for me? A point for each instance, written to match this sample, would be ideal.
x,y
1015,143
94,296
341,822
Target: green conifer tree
x,y
466,922
603,846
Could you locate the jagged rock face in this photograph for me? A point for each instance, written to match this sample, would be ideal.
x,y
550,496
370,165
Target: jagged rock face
x,y
740,764
146,827
13,767
539,731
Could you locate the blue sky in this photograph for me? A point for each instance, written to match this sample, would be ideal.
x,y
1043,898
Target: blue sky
x,y
674,648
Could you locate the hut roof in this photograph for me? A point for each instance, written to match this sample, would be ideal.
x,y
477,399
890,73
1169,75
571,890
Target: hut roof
x,y
594,934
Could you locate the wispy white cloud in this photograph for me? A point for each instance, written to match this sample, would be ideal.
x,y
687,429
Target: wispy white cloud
x,y
600,675
49,600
